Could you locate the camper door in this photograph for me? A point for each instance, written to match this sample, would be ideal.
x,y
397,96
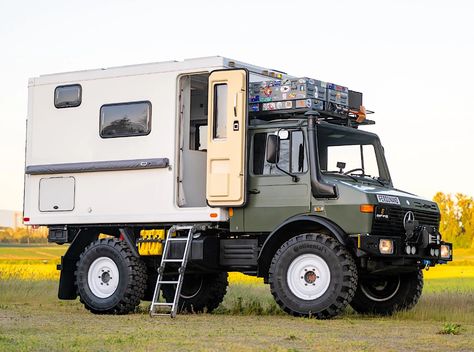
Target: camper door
x,y
226,146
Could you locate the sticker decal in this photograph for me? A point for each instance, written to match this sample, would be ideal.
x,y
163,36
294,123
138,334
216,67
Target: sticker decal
x,y
267,91
300,103
268,106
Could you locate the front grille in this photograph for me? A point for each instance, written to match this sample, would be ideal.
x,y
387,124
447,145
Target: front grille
x,y
393,226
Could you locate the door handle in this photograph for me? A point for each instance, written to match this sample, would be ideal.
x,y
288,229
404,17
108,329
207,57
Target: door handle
x,y
254,191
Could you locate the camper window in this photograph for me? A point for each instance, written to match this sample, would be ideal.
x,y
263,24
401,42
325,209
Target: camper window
x,y
67,96
125,119
220,111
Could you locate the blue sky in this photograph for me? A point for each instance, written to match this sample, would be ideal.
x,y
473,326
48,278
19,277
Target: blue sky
x,y
412,59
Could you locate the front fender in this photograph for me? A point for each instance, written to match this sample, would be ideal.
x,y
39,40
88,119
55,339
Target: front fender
x,y
291,227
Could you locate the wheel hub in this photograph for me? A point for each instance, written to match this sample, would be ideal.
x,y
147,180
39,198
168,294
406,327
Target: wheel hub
x,y
308,276
103,277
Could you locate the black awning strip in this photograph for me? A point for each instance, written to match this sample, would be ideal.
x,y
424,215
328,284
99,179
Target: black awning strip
x,y
96,166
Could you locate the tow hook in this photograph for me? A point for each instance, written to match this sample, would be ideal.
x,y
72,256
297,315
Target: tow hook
x,y
427,264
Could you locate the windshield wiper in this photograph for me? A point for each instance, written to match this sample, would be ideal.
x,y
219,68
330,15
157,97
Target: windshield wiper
x,y
371,178
339,174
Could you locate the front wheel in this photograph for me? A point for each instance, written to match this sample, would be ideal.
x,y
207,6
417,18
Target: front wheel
x,y
313,275
385,295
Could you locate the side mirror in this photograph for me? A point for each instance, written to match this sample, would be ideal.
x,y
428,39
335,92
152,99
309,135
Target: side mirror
x,y
273,143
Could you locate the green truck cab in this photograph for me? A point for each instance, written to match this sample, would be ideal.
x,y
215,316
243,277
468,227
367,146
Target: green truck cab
x,y
329,182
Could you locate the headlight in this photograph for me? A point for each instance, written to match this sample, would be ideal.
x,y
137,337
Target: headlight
x,y
386,246
445,251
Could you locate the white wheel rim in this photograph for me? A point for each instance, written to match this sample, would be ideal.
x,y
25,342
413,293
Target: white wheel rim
x,y
103,277
308,276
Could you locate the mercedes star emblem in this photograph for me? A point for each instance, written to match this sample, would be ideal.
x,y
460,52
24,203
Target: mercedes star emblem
x,y
409,217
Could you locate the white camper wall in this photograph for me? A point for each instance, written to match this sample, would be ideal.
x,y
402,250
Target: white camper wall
x,y
71,135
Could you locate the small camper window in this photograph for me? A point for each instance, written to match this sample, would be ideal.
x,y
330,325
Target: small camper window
x,y
125,119
220,111
68,96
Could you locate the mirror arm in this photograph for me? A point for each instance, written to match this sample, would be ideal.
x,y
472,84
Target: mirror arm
x,y
293,177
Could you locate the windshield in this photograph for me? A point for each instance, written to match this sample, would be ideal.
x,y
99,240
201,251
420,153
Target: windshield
x,y
351,153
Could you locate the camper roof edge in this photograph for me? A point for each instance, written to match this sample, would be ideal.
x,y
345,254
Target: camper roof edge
x,y
147,68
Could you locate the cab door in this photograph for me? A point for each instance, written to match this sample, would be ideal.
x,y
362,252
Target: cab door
x,y
227,134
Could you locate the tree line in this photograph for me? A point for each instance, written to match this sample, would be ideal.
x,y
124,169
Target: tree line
x,y
24,235
457,218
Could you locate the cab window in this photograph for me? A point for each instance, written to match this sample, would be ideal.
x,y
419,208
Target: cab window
x,y
292,154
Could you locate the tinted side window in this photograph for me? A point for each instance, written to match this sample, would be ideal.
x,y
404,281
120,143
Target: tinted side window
x,y
125,119
298,155
259,144
68,96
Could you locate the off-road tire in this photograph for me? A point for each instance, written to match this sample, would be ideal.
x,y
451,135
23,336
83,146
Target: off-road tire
x,y
132,277
342,279
200,293
404,298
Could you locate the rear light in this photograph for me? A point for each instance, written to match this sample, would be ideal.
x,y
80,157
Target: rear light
x,y
26,219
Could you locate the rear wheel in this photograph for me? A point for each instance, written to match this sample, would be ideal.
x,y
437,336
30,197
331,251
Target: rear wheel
x,y
200,292
313,275
109,278
387,294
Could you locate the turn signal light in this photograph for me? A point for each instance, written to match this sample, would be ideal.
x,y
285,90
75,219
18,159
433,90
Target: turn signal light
x,y
367,208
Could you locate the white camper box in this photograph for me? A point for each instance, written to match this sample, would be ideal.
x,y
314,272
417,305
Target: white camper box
x,y
79,173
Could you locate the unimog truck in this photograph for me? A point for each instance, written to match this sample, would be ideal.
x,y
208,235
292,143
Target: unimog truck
x,y
164,177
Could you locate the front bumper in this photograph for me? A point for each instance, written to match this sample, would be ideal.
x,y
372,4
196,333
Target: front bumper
x,y
423,251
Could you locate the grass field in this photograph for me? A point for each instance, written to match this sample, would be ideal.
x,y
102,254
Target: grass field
x,y
32,318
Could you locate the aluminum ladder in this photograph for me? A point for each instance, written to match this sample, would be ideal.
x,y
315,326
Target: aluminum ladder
x,y
172,306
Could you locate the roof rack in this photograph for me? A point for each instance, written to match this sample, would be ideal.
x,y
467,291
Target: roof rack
x,y
292,98
348,118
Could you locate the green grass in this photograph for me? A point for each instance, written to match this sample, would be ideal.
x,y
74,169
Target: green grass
x,y
32,318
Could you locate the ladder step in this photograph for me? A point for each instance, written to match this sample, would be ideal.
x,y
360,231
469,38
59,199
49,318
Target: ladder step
x,y
178,239
170,304
168,282
179,228
172,260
